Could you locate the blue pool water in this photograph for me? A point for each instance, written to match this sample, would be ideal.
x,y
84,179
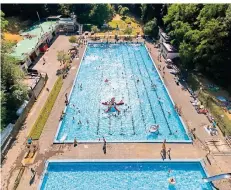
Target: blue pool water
x,y
124,175
130,74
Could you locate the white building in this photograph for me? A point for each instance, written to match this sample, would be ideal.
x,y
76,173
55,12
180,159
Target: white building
x,y
168,51
163,37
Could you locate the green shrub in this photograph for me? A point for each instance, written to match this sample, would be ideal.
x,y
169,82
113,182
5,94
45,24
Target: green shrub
x,y
128,20
223,123
193,82
72,39
46,110
87,27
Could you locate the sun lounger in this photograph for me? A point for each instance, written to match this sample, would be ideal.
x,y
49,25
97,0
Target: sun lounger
x,y
202,111
27,155
211,130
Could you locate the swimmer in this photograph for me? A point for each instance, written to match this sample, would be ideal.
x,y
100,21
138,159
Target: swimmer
x,y
138,80
153,86
172,181
79,123
169,113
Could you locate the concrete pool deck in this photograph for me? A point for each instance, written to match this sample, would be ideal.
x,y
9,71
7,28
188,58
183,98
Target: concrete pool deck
x,y
47,150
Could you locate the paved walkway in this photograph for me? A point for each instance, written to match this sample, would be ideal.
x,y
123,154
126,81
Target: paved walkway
x,y
47,150
50,67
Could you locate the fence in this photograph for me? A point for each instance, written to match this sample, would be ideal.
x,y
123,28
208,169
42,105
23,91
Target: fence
x,y
36,90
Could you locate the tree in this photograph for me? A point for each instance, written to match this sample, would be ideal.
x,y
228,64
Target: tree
x,y
4,22
151,28
13,91
63,57
119,8
94,29
3,108
128,31
72,39
101,13
64,9
202,33
124,11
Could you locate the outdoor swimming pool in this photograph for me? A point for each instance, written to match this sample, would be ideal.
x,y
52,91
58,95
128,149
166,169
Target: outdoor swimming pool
x,y
126,72
114,175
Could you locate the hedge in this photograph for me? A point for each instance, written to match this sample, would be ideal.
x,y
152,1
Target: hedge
x,y
224,122
46,110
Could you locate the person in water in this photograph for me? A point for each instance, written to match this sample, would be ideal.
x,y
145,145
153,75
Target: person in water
x,y
172,181
79,123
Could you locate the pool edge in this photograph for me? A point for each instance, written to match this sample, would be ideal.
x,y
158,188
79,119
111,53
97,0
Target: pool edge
x,y
186,141
69,96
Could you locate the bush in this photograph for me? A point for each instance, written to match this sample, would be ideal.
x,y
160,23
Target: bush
x,y
151,28
193,82
72,39
87,27
128,31
128,20
128,38
223,123
46,110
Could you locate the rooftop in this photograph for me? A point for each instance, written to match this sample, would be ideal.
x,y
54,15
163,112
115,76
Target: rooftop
x,y
25,46
54,17
165,36
169,47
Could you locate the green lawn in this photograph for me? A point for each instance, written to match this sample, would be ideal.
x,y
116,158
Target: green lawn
x,y
46,110
122,24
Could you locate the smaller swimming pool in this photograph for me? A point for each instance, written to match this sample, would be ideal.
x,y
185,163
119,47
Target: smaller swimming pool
x,y
123,174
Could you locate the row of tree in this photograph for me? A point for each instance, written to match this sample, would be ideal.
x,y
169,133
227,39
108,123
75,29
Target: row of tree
x,y
95,14
202,33
13,91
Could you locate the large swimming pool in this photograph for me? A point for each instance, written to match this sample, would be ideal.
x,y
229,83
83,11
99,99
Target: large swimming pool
x,y
125,72
124,175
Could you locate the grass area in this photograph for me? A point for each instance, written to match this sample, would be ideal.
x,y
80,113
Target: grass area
x,y
122,23
221,118
46,110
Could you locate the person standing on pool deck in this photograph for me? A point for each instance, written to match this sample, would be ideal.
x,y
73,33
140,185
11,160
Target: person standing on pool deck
x,y
104,140
104,148
169,153
75,142
163,151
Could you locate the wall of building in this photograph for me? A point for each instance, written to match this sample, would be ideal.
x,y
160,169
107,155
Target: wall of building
x,y
37,51
172,55
27,62
166,54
